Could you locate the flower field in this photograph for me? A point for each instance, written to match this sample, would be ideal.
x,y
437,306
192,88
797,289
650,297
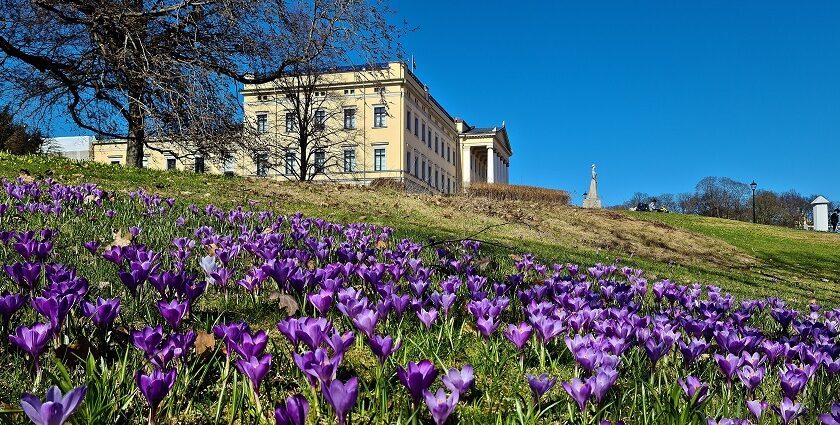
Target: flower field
x,y
138,308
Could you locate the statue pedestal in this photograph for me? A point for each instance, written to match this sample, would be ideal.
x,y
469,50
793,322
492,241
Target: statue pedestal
x,y
593,203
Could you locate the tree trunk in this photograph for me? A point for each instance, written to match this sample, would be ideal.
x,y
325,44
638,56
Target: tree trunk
x,y
136,133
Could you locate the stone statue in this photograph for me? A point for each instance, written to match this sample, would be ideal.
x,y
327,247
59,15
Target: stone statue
x,y
592,200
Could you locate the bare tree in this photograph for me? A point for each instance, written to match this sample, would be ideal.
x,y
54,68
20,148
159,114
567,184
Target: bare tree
x,y
170,69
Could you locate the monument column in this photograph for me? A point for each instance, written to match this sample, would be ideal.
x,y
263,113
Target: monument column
x,y
592,200
491,165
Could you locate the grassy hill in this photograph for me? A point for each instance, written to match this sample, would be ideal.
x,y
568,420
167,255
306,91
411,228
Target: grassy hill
x,y
748,260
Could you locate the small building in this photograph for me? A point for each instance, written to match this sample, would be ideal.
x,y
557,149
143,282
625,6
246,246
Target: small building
x,y
73,147
820,213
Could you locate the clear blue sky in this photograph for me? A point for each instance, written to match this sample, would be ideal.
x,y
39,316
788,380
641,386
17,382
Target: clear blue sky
x,y
659,94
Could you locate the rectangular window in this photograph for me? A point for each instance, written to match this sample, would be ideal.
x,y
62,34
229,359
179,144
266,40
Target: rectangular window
x,y
199,164
262,164
320,160
290,122
436,179
262,123
423,170
349,160
429,174
416,126
448,185
423,132
436,143
170,163
408,162
291,163
380,117
416,171
379,159
229,164
349,118
408,120
320,119
114,161
430,139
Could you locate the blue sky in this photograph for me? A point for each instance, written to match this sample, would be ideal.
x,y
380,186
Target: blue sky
x,y
659,94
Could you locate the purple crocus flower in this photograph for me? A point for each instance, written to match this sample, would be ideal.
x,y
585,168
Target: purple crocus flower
x,y
440,406
9,304
518,335
579,391
91,246
250,345
342,397
788,410
757,408
255,368
751,376
792,381
486,326
26,275
694,389
692,350
57,407
322,301
32,339
540,385
148,339
427,317
383,347
417,377
459,380
155,386
365,321
103,313
601,382
54,308
173,312
832,418
292,412
728,365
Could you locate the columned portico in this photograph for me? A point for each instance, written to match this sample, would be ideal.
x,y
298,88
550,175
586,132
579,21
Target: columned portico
x,y
485,154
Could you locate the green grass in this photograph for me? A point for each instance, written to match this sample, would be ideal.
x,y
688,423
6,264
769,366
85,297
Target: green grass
x,y
748,260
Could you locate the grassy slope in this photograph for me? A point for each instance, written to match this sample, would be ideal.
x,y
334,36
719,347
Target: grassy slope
x,y
745,259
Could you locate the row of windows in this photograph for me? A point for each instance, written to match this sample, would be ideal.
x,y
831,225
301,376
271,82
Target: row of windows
x,y
380,120
423,171
441,147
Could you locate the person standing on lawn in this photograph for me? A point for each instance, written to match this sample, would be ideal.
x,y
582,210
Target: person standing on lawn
x,y
835,217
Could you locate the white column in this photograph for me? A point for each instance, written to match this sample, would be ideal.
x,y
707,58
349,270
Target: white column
x,y
466,167
491,165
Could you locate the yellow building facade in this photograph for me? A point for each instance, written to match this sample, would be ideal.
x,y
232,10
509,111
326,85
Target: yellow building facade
x,y
383,124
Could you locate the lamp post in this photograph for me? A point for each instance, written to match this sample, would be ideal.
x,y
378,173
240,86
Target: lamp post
x,y
753,185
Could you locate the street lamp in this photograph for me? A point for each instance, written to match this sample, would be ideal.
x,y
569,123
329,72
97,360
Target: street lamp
x,y
753,185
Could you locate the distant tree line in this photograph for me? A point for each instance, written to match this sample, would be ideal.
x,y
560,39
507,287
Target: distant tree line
x,y
723,197
15,137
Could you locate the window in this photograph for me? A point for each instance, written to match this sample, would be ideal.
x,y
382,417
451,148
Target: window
x,y
291,163
320,160
170,163
423,132
262,123
115,160
429,174
416,171
416,126
145,162
379,117
423,170
379,159
199,164
229,164
350,118
408,161
262,164
430,139
436,179
408,120
349,160
290,122
448,154
320,119
436,143
448,185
